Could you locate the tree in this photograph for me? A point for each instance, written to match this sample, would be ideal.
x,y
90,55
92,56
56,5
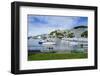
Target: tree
x,y
81,26
84,34
70,35
57,33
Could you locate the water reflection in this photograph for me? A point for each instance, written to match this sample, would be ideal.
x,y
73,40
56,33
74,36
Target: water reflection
x,y
58,45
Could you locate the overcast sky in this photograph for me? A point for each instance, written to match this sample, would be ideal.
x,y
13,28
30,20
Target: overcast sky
x,y
39,24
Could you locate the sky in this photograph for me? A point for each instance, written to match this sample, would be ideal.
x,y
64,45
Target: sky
x,y
44,24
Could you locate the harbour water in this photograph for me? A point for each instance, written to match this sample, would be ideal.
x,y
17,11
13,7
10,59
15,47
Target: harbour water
x,y
61,45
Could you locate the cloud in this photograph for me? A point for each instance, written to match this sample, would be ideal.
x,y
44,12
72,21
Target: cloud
x,y
36,20
44,24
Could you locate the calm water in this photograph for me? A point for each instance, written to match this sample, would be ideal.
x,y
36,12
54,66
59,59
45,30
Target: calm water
x,y
61,45
33,44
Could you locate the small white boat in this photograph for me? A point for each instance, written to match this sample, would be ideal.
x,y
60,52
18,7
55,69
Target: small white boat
x,y
41,42
73,43
49,43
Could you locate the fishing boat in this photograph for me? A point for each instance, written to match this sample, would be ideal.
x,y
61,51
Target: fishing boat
x,y
41,42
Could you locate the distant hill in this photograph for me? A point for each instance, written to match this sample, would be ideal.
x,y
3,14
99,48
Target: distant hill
x,y
78,30
80,27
